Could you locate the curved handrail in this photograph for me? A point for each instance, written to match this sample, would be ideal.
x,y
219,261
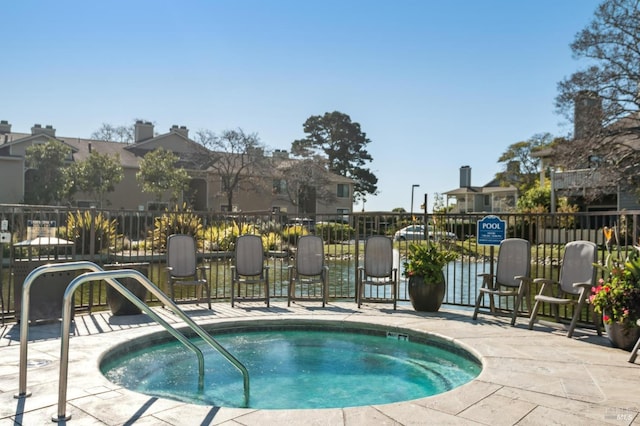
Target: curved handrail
x,y
24,318
24,311
110,276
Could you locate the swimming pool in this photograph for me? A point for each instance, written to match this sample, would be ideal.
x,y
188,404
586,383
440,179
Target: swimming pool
x,y
308,364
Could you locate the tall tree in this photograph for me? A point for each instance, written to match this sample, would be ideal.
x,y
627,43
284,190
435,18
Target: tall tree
x,y
603,99
520,168
159,172
343,144
46,177
237,157
97,175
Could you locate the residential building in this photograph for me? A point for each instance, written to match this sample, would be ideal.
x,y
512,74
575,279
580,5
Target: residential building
x,y
490,198
576,183
205,186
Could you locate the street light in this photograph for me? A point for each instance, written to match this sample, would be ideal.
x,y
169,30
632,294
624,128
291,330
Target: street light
x,y
414,186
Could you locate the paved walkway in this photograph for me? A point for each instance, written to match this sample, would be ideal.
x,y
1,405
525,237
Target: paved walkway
x,y
537,377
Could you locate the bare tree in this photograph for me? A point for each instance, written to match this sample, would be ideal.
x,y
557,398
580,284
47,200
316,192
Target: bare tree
x,y
110,133
603,99
305,181
236,157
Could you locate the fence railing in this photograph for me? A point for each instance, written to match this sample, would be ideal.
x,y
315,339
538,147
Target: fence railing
x,y
111,237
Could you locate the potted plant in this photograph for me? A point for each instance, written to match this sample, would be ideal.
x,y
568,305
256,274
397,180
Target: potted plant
x,y
423,267
617,297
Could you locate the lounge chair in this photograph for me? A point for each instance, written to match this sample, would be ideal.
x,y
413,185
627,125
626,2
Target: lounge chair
x,y
378,272
308,278
577,276
511,278
249,271
182,265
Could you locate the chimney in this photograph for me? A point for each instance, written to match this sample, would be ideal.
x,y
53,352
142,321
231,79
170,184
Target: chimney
x,y
280,153
48,130
143,130
587,119
465,177
181,130
5,127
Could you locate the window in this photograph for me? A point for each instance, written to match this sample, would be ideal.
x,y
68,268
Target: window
x,y
155,206
343,190
86,204
279,186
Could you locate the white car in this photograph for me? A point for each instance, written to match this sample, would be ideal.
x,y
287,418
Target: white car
x,y
416,232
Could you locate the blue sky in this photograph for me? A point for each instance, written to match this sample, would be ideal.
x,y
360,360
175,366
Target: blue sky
x,y
435,85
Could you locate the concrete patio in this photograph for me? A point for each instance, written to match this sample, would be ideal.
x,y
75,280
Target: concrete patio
x,y
537,377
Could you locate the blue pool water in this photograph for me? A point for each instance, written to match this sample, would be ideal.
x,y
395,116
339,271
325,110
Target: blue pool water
x,y
292,369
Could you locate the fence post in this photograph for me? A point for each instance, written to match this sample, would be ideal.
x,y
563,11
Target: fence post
x,y
92,234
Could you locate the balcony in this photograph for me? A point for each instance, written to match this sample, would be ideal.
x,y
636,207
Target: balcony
x,y
578,179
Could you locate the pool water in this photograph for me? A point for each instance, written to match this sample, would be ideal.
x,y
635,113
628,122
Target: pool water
x,y
291,369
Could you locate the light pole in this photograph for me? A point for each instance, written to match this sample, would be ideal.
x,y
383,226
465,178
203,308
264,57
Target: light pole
x,y
414,186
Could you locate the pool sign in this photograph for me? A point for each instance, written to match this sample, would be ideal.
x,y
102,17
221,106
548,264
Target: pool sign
x,y
491,231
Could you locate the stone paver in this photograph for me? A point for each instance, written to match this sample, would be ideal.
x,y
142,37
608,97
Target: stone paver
x,y
536,377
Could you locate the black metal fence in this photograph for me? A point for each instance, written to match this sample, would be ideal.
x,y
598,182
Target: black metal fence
x,y
109,237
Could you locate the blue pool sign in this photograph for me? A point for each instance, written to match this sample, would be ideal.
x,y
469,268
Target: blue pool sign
x,y
491,231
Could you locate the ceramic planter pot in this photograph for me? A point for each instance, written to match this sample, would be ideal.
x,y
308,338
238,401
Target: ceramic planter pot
x,y
622,336
426,297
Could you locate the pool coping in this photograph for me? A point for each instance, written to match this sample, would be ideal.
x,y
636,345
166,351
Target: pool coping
x,y
528,377
223,328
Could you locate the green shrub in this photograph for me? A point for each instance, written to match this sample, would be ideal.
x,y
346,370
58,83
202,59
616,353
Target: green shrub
x,y
78,230
271,241
176,222
333,233
223,237
290,234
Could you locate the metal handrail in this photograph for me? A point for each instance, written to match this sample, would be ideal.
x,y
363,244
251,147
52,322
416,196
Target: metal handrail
x,y
24,328
110,277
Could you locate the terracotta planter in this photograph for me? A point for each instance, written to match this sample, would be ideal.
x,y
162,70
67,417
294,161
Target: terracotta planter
x,y
622,336
426,297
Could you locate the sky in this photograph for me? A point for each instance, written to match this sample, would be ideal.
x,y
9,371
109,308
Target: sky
x,y
434,84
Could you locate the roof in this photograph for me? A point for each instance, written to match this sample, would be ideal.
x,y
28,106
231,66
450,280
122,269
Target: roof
x,y
492,187
131,154
626,131
84,147
465,190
